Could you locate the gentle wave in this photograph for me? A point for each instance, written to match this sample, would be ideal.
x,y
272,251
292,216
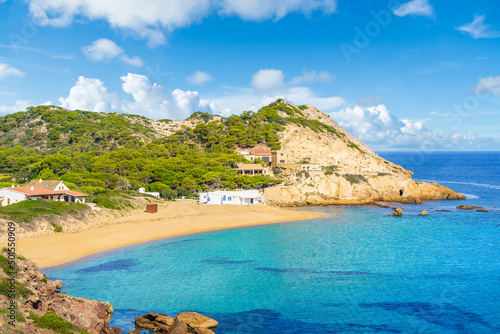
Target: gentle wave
x,y
485,185
469,196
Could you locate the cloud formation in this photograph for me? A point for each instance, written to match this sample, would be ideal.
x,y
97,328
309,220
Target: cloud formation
x,y
313,77
491,84
268,79
199,78
106,50
378,127
149,19
20,105
142,97
8,71
415,8
478,29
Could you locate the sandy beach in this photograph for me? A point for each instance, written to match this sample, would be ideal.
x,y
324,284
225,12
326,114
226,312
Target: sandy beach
x,y
178,218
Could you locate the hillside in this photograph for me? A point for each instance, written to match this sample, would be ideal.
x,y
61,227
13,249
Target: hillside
x,y
97,151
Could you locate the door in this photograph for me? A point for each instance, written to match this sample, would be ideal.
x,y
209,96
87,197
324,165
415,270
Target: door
x,y
8,201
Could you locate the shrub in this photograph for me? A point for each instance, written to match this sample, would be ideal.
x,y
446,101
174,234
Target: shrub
x,y
277,171
355,178
21,290
5,265
52,321
352,145
384,174
58,229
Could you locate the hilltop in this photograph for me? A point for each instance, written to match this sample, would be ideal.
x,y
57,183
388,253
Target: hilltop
x,y
321,162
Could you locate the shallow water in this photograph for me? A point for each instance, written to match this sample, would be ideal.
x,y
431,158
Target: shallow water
x,y
355,271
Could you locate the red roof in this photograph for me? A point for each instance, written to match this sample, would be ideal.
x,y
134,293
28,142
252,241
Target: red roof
x,y
39,191
261,151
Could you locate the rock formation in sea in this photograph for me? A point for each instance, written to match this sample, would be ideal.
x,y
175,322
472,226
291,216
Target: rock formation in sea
x,y
333,167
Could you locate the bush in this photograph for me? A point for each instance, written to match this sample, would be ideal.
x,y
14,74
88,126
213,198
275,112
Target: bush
x,y
277,171
355,178
168,194
21,290
27,211
5,265
384,174
58,229
52,321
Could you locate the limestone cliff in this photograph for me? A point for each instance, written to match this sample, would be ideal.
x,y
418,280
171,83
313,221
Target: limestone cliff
x,y
323,165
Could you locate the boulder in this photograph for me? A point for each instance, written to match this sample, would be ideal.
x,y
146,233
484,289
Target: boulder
x,y
468,207
443,210
423,213
161,318
196,320
398,212
179,327
202,330
143,323
115,330
482,210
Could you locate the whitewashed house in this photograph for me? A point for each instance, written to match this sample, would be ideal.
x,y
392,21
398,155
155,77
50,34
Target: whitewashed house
x,y
53,190
238,197
152,193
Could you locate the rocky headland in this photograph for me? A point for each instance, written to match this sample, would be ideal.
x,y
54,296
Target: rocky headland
x,y
332,167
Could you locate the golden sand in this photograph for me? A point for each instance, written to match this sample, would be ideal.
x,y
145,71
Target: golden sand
x,y
178,218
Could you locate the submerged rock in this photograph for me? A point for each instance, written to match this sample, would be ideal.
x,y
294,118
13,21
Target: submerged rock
x,y
482,210
468,207
398,212
423,213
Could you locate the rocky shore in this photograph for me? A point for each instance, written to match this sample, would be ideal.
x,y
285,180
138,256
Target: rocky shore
x,y
40,307
31,303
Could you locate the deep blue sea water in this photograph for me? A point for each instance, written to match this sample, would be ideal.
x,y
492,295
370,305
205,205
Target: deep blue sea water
x,y
355,271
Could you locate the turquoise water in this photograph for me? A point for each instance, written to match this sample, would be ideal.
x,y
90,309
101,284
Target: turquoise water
x,y
355,271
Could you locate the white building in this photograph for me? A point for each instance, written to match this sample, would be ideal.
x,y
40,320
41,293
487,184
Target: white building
x,y
238,197
155,194
53,190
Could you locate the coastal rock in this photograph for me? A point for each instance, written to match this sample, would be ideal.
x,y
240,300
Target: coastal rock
x,y
398,212
178,327
482,210
160,318
468,207
423,213
443,210
143,323
43,296
333,167
196,320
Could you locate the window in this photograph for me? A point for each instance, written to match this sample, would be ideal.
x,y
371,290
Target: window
x,y
282,161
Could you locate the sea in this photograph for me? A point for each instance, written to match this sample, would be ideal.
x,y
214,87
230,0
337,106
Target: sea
x,y
357,270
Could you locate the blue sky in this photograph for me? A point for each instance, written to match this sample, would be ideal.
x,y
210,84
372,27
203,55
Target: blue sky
x,y
421,74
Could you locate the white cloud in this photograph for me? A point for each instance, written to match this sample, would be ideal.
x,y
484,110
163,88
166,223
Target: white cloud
x,y
199,78
268,79
90,94
141,97
266,9
477,28
106,50
20,105
491,84
6,70
378,127
415,7
150,18
312,77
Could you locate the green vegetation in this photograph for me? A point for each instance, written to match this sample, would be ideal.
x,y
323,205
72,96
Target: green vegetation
x,y
352,145
384,174
58,229
52,321
277,171
21,290
355,178
19,316
105,155
5,265
331,168
26,211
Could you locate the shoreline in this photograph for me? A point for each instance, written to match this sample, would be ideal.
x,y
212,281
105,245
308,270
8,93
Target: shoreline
x,y
177,219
